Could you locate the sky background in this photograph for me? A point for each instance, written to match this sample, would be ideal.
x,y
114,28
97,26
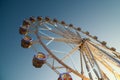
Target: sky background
x,y
99,17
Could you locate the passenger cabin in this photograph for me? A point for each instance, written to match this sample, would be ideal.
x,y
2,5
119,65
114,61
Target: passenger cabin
x,y
103,43
26,23
113,49
47,19
87,33
63,23
65,76
79,29
26,42
32,19
95,37
23,31
39,60
70,25
39,18
55,20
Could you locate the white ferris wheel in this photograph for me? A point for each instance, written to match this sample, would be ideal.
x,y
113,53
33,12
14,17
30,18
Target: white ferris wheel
x,y
69,51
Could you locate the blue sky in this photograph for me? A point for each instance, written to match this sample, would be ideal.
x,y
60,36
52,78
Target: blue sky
x,y
99,17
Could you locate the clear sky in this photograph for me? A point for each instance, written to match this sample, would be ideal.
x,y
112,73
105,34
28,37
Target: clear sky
x,y
99,17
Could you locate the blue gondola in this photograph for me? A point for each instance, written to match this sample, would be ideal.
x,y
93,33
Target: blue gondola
x,y
23,31
26,42
65,76
39,60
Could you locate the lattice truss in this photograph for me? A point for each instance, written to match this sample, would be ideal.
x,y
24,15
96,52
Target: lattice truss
x,y
69,51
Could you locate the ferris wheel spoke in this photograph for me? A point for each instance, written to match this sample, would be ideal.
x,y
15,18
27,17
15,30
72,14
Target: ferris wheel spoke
x,y
70,57
53,68
50,42
117,54
102,61
87,66
60,52
71,52
60,39
91,64
81,63
95,62
105,76
45,34
62,33
47,27
108,67
59,67
58,31
111,57
88,55
65,32
34,49
105,56
90,68
44,29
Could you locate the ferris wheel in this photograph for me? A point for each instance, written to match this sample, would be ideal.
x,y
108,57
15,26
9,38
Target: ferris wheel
x,y
69,51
